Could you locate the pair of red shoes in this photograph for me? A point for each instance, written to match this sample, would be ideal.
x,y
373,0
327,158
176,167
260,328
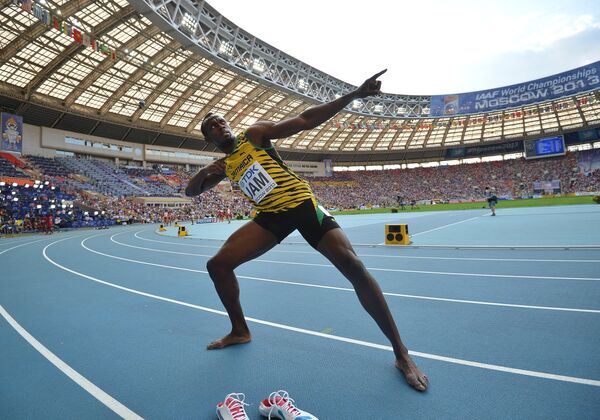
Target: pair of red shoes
x,y
279,405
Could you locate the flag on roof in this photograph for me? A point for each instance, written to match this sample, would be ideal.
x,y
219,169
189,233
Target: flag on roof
x,y
26,5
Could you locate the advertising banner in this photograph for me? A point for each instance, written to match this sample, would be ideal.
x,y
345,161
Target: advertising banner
x,y
567,83
474,151
12,133
328,163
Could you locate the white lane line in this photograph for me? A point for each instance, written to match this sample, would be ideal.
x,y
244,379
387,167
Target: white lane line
x,y
440,227
80,380
26,243
408,257
463,362
510,247
39,240
75,376
175,243
473,302
437,246
445,226
10,241
395,270
418,257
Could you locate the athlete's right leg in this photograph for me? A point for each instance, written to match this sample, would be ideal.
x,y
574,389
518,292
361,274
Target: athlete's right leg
x,y
245,244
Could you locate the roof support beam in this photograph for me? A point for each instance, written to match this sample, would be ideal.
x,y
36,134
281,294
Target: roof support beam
x,y
188,92
137,75
12,48
75,47
235,82
107,63
338,133
235,115
160,89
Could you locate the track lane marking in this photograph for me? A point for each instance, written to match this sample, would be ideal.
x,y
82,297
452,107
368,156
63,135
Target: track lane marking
x,y
110,402
20,245
395,270
463,362
486,303
390,256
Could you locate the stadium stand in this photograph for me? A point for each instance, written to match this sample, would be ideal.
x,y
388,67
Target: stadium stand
x,y
7,169
110,196
114,136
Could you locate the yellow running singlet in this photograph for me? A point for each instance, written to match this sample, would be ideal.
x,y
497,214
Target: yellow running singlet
x,y
264,179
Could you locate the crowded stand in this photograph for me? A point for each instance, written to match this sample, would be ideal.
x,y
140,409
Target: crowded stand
x,y
71,192
7,169
510,179
41,207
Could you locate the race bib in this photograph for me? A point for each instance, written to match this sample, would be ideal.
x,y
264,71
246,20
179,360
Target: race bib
x,y
256,183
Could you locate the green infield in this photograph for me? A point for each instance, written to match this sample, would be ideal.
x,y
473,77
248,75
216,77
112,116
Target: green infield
x,y
532,202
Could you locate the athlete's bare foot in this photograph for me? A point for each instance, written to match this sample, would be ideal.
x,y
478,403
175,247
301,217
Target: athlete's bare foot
x,y
229,340
412,374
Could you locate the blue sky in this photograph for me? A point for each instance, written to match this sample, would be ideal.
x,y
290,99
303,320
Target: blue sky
x,y
429,47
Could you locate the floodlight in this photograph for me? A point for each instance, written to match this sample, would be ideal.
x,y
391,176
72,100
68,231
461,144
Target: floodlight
x,y
258,66
302,84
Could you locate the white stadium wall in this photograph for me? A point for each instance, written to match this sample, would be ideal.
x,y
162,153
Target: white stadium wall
x,y
45,141
32,142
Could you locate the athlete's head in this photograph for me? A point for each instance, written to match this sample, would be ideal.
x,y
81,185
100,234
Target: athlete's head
x,y
217,131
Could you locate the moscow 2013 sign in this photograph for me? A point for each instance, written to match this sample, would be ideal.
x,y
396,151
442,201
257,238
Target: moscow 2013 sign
x,y
581,79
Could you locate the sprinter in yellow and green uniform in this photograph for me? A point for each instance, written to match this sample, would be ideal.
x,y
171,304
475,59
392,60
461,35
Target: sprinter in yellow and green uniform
x,y
263,177
285,202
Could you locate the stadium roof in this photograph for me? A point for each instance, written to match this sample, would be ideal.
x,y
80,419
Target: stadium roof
x,y
147,71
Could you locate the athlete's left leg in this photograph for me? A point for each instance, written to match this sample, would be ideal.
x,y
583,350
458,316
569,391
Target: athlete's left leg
x,y
336,247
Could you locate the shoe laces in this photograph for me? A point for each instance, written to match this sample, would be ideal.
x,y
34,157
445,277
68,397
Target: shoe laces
x,y
282,399
235,403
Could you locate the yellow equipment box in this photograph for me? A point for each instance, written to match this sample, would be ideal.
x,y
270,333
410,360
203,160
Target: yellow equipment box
x,y
396,235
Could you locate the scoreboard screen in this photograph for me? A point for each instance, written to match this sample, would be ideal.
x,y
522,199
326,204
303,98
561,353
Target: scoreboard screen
x,y
545,147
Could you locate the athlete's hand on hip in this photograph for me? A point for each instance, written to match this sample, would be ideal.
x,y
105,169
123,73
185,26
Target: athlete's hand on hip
x,y
371,86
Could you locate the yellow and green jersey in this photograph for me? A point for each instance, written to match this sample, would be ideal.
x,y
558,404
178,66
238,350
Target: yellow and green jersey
x,y
264,179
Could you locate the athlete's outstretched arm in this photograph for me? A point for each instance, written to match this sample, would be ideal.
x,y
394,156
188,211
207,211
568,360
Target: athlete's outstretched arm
x,y
206,178
263,131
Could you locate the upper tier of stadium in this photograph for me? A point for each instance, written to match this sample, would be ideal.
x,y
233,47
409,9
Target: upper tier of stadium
x,y
147,71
